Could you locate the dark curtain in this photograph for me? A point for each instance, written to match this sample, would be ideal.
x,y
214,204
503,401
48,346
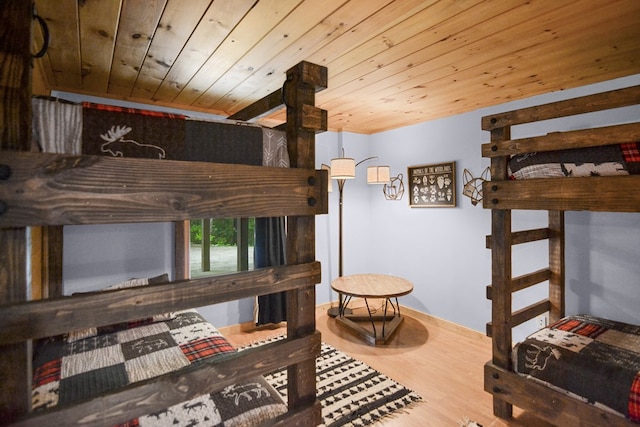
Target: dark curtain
x,y
269,251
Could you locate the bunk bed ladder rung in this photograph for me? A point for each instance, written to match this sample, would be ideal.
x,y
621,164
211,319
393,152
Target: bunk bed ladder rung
x,y
525,236
522,282
527,313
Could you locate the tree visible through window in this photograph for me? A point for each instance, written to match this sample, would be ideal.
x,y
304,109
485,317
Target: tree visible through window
x,y
219,246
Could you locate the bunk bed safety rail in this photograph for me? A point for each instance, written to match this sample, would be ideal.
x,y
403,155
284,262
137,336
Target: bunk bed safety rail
x,y
56,189
585,104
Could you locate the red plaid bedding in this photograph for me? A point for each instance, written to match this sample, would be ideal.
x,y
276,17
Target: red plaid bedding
x,y
65,371
622,159
594,359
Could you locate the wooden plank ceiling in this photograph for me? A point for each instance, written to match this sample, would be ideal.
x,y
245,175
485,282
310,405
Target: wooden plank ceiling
x,y
391,63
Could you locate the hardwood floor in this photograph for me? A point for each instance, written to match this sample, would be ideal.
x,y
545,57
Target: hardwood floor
x,y
441,361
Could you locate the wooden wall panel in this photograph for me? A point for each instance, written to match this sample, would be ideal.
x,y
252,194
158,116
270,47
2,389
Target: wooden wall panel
x,y
392,62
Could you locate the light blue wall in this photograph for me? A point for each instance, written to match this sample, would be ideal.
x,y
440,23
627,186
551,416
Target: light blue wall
x,y
95,257
442,251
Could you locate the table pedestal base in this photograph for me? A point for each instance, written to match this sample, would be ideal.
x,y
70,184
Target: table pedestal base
x,y
374,335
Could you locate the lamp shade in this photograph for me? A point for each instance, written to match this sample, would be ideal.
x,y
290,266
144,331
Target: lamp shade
x,y
343,168
378,174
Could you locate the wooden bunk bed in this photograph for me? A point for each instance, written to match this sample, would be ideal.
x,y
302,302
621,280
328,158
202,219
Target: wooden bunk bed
x,y
50,191
503,194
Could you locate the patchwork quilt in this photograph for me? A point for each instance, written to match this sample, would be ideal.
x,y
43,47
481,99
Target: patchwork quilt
x,y
595,359
622,159
68,369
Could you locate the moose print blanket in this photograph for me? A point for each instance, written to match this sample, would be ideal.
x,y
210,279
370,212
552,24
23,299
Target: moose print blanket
x,y
128,132
595,359
66,370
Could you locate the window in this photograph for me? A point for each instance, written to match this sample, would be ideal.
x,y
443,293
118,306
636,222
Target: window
x,y
219,246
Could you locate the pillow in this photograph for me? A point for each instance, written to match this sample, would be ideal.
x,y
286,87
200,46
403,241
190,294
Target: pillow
x,y
93,331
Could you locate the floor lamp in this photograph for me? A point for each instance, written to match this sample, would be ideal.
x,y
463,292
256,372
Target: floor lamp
x,y
342,169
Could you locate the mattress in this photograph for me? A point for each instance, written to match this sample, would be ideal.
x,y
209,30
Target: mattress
x,y
594,359
608,160
68,368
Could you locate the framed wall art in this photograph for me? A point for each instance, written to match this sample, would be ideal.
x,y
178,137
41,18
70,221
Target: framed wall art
x,y
432,186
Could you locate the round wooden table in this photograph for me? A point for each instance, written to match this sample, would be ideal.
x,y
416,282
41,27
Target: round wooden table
x,y
378,286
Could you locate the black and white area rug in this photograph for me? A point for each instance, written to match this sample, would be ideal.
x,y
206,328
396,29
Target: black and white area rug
x,y
352,393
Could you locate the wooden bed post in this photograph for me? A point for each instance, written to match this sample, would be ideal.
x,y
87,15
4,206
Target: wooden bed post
x,y
15,128
299,93
501,276
556,265
181,257
46,258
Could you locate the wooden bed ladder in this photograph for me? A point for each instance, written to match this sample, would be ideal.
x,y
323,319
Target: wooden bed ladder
x,y
504,285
